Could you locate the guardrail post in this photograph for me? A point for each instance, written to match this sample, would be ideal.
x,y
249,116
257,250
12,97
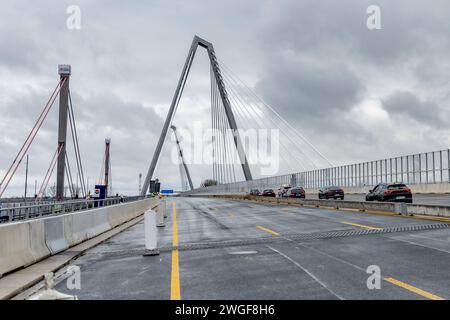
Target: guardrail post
x,y
151,245
401,208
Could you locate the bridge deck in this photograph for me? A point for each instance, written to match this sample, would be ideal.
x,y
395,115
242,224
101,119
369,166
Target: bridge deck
x,y
241,250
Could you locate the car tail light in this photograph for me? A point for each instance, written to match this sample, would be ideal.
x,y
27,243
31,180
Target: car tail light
x,y
387,192
408,190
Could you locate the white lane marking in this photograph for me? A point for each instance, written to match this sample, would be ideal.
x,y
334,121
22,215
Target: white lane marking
x,y
417,236
243,252
332,257
307,272
416,244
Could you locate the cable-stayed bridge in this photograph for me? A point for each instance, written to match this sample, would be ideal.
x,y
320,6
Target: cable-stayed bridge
x,y
218,240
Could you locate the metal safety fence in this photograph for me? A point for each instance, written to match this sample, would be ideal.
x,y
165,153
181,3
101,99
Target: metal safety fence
x,y
422,168
16,213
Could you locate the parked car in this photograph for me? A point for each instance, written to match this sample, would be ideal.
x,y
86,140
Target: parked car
x,y
283,190
268,193
255,192
297,192
393,192
332,192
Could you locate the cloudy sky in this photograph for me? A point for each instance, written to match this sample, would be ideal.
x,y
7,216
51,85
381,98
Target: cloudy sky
x,y
357,94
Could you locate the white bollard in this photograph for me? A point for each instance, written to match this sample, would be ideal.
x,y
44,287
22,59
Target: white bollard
x,y
151,245
160,209
164,205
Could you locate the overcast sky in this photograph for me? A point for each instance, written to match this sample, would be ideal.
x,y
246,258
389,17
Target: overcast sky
x,y
357,94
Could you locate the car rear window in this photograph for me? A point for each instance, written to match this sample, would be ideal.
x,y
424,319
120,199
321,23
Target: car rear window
x,y
397,186
297,190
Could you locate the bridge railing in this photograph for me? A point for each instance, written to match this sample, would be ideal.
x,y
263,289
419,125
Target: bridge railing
x,y
416,169
10,214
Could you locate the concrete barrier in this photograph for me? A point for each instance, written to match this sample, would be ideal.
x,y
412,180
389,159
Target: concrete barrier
x,y
54,234
38,247
416,209
336,204
429,210
79,227
116,216
26,242
15,247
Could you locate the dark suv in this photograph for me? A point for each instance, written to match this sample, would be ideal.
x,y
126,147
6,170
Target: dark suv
x,y
331,192
255,192
297,192
394,192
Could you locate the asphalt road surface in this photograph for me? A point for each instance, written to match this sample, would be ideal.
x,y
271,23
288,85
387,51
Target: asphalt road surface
x,y
224,249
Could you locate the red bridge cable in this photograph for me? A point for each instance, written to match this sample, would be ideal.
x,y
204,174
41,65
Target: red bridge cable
x,y
42,112
49,173
30,138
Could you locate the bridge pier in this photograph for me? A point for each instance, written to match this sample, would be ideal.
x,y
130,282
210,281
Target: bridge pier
x,y
64,72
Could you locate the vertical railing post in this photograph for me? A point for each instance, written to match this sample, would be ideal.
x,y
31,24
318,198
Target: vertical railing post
x,y
407,170
391,169
433,167
448,164
376,173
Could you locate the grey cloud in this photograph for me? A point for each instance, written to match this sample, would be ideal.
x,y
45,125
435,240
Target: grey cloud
x,y
314,61
424,112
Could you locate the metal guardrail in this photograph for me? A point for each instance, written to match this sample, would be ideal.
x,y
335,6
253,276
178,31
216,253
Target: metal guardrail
x,y
423,168
10,214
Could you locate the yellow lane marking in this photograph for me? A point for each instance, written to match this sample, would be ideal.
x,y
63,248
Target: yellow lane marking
x,y
361,225
175,276
232,215
416,290
268,230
